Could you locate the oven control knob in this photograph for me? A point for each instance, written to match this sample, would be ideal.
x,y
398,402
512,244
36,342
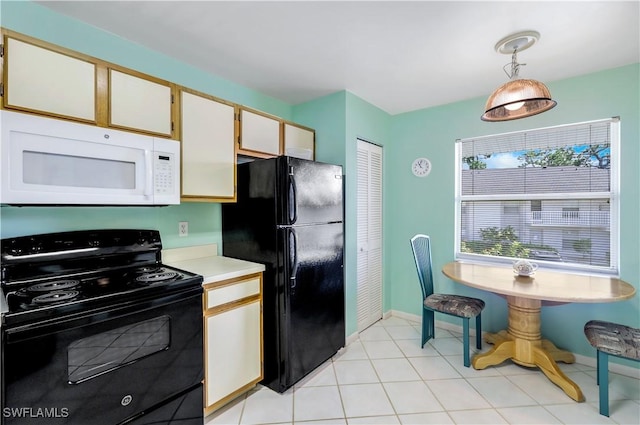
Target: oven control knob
x,y
14,248
126,400
15,251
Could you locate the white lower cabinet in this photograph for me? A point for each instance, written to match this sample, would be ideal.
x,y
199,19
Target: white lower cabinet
x,y
233,339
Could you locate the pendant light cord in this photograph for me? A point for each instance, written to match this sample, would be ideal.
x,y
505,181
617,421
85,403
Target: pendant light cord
x,y
515,66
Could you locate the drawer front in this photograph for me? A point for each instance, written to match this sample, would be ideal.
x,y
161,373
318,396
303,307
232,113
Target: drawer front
x,y
224,294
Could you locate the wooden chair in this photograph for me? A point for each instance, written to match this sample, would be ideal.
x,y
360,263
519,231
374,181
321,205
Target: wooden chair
x,y
610,339
454,305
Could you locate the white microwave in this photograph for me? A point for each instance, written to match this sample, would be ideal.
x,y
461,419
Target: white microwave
x,y
48,161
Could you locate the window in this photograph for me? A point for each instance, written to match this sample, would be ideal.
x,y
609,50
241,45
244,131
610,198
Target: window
x,y
548,194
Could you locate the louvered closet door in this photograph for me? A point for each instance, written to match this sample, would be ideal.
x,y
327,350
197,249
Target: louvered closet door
x,y
369,234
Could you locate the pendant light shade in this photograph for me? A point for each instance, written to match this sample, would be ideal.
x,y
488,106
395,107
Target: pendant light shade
x,y
518,98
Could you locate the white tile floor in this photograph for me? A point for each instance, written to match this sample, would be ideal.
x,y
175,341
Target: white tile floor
x,y
384,377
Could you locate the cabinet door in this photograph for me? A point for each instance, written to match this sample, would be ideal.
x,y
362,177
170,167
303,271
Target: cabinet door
x,y
139,104
208,148
259,134
42,80
299,142
233,352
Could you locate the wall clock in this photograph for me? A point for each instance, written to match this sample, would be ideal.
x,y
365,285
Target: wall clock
x,y
421,167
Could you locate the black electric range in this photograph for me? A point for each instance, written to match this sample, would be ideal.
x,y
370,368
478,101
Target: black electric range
x,y
53,275
96,329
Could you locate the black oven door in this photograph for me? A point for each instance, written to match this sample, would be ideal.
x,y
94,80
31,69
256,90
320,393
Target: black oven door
x,y
105,367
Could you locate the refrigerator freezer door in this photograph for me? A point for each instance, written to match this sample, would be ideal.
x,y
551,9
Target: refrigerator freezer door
x,y
312,317
312,192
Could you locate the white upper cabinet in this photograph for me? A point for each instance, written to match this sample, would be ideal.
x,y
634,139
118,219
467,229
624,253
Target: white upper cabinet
x,y
259,134
137,103
208,148
299,141
41,80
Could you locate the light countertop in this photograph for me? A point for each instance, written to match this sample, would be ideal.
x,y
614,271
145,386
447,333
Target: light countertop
x,y
204,261
216,268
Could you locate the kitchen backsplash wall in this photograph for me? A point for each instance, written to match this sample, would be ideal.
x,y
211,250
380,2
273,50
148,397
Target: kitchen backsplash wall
x,y
203,218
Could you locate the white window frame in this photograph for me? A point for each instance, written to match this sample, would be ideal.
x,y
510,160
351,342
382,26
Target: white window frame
x,y
613,195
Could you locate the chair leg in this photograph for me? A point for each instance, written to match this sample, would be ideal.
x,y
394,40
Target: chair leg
x,y
465,340
428,326
602,366
479,331
597,369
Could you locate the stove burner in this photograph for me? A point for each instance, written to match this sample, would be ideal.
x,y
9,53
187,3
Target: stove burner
x,y
148,269
156,277
55,297
53,286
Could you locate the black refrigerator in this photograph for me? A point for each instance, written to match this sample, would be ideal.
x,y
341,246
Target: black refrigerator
x,y
289,217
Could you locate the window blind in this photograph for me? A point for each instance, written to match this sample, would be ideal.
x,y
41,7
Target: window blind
x,y
549,195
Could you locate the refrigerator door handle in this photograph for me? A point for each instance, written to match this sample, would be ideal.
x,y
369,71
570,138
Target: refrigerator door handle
x,y
293,201
293,257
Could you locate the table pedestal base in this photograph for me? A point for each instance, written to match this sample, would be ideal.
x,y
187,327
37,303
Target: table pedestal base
x,y
522,343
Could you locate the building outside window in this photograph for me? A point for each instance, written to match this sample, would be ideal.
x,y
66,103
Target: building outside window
x,y
549,194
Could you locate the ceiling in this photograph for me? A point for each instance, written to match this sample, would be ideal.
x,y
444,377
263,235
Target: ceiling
x,y
400,56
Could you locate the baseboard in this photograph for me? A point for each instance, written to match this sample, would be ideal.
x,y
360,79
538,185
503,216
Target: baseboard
x,y
584,360
352,338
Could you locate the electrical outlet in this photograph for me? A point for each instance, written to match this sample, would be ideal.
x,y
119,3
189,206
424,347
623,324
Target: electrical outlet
x,y
183,228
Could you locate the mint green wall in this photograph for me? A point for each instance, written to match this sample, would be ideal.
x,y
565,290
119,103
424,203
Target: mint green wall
x,y
204,219
340,119
428,204
366,122
327,115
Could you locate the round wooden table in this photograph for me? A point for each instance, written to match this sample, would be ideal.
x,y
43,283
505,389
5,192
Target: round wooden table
x,y
521,341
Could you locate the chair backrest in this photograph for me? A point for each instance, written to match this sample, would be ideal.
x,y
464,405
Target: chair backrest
x,y
421,247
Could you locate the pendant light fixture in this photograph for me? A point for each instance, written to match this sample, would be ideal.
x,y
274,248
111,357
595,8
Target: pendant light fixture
x,y
519,98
